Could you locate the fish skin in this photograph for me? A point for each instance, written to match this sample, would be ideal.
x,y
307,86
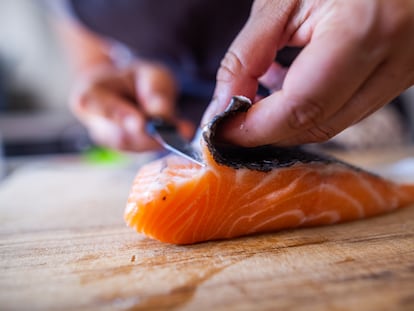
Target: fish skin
x,y
262,158
176,201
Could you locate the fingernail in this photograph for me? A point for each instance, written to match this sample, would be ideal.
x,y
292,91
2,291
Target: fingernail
x,y
105,130
156,103
131,125
158,106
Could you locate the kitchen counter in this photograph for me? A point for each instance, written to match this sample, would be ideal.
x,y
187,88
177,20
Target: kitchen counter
x,y
64,246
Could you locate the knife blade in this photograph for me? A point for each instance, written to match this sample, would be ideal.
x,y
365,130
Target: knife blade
x,y
167,134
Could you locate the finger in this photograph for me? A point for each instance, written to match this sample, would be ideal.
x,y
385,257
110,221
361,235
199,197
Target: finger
x,y
376,92
107,133
186,128
251,54
156,90
109,78
274,77
157,93
113,121
321,80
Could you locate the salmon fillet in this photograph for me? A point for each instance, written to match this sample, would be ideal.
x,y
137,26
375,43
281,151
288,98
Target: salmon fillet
x,y
176,201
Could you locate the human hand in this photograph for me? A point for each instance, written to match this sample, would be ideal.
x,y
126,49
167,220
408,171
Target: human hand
x,y
357,56
114,104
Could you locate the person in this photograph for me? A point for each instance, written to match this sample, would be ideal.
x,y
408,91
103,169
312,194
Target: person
x,y
137,59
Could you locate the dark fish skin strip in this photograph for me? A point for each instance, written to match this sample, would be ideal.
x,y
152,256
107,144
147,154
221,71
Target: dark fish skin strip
x,y
263,158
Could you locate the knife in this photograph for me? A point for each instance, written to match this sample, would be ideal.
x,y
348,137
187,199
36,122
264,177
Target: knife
x,y
167,134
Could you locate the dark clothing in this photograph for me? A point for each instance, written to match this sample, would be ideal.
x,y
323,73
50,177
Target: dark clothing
x,y
189,36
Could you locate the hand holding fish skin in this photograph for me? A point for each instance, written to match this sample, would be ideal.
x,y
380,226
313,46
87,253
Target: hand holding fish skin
x,y
114,103
357,56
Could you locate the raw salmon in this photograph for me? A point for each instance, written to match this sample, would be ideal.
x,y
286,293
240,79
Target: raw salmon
x,y
243,191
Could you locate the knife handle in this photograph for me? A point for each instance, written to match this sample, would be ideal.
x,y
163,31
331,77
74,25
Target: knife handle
x,y
156,124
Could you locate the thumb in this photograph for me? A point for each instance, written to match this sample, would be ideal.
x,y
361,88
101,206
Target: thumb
x,y
251,53
156,90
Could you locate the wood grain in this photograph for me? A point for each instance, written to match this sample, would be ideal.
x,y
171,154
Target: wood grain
x,y
64,246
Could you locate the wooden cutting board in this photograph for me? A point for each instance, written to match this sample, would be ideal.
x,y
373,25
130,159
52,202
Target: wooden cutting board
x,y
64,246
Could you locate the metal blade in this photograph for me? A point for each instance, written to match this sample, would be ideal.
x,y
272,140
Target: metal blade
x,y
168,136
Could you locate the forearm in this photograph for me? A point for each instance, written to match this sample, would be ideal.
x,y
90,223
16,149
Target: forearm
x,y
85,50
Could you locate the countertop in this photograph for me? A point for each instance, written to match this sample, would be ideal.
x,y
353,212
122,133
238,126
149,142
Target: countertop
x,y
64,246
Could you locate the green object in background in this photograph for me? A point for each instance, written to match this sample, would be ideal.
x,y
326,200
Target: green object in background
x,y
104,156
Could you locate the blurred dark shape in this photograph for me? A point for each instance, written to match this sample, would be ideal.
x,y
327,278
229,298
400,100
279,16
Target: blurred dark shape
x,y
12,96
43,132
287,55
27,129
3,102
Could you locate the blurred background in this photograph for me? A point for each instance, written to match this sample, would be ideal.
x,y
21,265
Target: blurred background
x,y
35,79
34,83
